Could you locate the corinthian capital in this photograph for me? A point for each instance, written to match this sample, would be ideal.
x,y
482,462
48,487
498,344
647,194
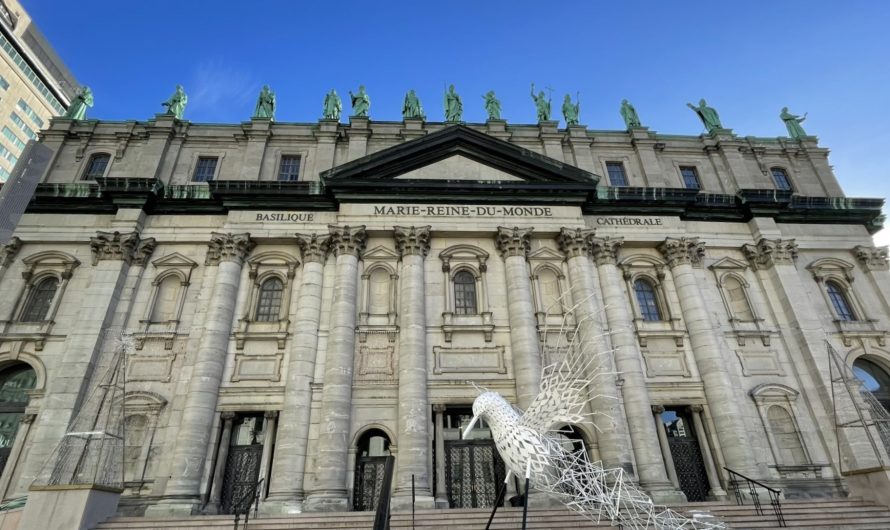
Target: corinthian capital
x,y
513,241
113,246
348,239
769,252
313,248
574,242
872,258
605,249
9,250
228,247
412,240
682,250
144,251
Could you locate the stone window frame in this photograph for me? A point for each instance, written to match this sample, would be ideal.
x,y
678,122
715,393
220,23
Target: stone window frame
x,y
644,266
39,266
150,405
220,156
840,273
261,267
167,266
538,296
280,154
474,260
624,162
88,158
365,298
791,186
727,304
767,395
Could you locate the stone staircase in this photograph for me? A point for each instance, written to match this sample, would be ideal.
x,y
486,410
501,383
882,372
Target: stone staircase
x,y
847,514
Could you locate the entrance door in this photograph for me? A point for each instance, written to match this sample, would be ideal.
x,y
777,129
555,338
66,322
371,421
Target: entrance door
x,y
370,463
473,473
686,454
243,462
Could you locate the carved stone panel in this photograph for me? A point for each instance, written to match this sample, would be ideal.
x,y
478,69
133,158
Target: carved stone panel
x,y
759,362
150,368
257,368
376,358
663,358
469,360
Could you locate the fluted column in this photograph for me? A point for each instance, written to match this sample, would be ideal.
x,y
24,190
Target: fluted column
x,y
611,425
289,463
227,253
329,491
413,244
513,244
719,391
628,360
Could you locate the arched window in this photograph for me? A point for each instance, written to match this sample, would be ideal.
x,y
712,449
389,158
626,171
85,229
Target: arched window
x,y
738,301
645,292
135,427
780,179
96,166
839,300
379,292
14,384
548,282
268,306
464,293
38,304
164,308
785,434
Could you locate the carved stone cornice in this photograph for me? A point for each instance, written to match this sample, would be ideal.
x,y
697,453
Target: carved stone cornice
x,y
605,249
682,250
9,250
574,242
513,241
114,246
313,248
769,252
144,251
412,240
873,258
228,247
348,239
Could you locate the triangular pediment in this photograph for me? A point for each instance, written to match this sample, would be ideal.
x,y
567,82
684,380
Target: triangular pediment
x,y
458,167
546,253
728,263
176,260
380,253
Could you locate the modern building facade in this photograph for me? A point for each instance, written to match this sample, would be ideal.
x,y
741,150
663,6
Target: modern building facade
x,y
307,298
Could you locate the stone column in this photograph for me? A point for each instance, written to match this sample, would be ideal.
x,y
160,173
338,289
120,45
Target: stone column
x,y
628,361
441,492
413,244
708,351
658,410
222,456
8,252
329,492
271,417
711,470
289,464
513,244
182,496
611,425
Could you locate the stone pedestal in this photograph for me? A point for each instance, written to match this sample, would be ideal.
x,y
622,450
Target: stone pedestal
x,y
68,507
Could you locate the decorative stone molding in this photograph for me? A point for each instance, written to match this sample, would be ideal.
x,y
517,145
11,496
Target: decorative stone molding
x,y
605,249
412,240
114,246
769,252
313,247
348,239
144,251
271,415
513,241
872,258
574,242
696,409
682,251
228,247
9,250
658,409
228,415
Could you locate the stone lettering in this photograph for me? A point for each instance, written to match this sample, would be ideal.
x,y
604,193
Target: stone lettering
x,y
285,217
464,211
629,221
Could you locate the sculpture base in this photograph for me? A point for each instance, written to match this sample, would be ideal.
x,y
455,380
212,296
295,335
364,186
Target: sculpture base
x,y
69,507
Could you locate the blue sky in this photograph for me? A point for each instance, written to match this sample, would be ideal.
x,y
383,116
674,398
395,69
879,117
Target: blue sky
x,y
748,59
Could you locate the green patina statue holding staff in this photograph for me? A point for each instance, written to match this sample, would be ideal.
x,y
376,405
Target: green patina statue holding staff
x,y
571,111
411,108
176,104
542,104
454,107
361,102
492,105
78,108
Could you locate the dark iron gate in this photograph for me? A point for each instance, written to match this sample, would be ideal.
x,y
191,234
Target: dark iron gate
x,y
369,474
690,467
241,475
473,473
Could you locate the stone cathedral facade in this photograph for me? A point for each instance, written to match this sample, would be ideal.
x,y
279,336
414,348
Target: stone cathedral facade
x,y
306,299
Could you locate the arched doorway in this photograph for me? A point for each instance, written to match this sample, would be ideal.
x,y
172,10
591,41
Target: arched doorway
x,y
371,452
876,379
15,381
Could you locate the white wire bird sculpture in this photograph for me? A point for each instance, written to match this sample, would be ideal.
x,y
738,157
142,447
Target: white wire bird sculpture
x,y
530,444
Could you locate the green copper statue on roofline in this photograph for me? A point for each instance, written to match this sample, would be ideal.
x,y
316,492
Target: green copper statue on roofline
x,y
78,108
176,104
361,103
411,108
265,104
793,122
708,115
571,111
332,106
542,104
492,105
454,107
629,114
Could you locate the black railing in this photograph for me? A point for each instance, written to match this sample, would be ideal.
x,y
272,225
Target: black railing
x,y
250,499
735,484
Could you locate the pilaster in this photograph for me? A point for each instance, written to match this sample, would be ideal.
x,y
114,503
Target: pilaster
x,y
257,131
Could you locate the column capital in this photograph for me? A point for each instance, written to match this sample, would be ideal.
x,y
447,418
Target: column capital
x,y
513,241
872,258
682,250
696,409
313,247
767,253
348,239
574,242
658,409
143,251
439,407
271,415
605,249
113,246
228,247
412,240
227,415
9,250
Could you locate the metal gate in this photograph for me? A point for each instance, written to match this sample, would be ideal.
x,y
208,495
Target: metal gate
x,y
242,472
690,467
369,473
473,473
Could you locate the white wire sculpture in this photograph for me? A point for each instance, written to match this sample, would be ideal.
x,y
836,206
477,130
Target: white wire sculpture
x,y
531,447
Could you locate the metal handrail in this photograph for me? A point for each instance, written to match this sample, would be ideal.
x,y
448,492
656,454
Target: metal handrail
x,y
252,498
755,497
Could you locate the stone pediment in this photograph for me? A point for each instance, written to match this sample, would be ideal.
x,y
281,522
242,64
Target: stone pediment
x,y
175,260
458,167
546,253
728,264
380,253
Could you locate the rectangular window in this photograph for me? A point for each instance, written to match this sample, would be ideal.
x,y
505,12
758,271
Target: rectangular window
x,y
4,84
780,178
4,175
205,169
289,169
5,153
690,177
7,132
20,123
29,73
617,177
30,113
